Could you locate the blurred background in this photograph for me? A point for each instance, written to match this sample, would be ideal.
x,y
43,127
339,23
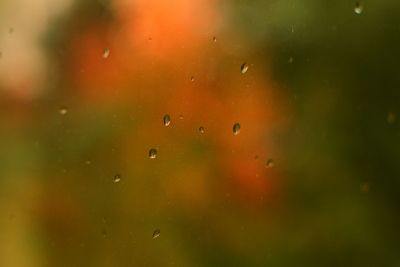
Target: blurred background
x,y
199,133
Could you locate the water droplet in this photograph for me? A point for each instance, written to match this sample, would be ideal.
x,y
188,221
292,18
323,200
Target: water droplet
x,y
236,128
290,60
244,67
192,78
63,111
153,153
270,163
88,162
156,233
167,120
358,8
364,187
104,233
391,117
106,52
201,129
181,117
117,178
214,39
256,157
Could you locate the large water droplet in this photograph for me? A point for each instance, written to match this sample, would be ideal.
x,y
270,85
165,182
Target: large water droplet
x,y
358,8
270,163
63,111
167,120
106,52
156,233
236,128
153,153
244,67
117,178
201,129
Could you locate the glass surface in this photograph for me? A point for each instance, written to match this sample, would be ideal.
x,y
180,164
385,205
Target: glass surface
x,y
199,133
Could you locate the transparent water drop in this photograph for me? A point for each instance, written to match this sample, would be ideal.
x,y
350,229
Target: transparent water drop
x,y
167,120
364,187
153,153
117,178
63,110
214,39
244,67
106,52
192,78
358,8
201,129
270,163
156,233
104,233
236,128
290,60
88,162
391,117
181,117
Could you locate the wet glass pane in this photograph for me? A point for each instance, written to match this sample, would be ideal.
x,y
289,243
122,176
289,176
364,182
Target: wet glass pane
x,y
199,133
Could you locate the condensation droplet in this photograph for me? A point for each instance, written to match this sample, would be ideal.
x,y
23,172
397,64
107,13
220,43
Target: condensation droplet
x,y
156,233
270,163
290,60
214,39
192,78
236,128
104,233
391,117
63,111
167,120
106,52
201,129
181,117
244,67
117,178
358,8
153,153
88,162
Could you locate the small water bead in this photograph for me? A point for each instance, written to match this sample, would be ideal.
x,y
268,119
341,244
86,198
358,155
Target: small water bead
x,y
270,163
63,110
153,153
236,128
106,52
290,60
117,178
214,39
156,233
244,67
167,120
201,129
358,8
192,78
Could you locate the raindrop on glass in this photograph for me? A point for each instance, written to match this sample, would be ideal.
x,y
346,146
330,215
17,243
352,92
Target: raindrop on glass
x,y
167,120
192,78
244,67
117,178
63,111
106,52
104,233
391,117
214,39
153,153
236,128
358,8
270,163
156,233
201,129
88,162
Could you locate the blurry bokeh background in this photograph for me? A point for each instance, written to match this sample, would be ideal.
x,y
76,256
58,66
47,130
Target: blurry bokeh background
x,y
311,179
